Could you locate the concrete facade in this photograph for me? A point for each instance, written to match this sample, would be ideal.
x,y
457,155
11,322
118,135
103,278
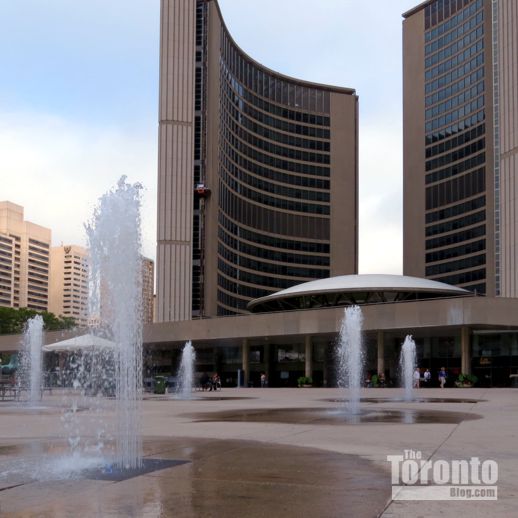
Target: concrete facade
x,y
257,172
459,81
148,290
24,260
68,294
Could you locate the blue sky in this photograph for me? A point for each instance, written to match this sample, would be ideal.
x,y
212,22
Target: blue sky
x,y
79,88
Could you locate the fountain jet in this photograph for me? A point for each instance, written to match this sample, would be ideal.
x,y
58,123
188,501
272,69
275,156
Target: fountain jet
x,y
407,365
186,371
116,279
351,356
31,363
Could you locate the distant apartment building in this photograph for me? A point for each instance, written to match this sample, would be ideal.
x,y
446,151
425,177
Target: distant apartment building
x,y
460,84
148,289
68,294
24,260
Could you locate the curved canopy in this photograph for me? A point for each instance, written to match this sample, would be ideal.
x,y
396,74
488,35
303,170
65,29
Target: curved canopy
x,y
354,289
83,343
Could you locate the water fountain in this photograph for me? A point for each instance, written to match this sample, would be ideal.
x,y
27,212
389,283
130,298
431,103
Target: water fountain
x,y
114,240
351,356
31,361
186,371
407,365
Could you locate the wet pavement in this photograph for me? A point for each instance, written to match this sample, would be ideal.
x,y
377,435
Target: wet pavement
x,y
337,416
259,453
214,478
403,400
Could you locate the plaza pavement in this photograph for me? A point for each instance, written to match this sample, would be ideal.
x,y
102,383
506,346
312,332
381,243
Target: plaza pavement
x,y
271,467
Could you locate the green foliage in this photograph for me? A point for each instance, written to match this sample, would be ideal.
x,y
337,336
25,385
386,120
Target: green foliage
x,y
304,380
12,320
467,379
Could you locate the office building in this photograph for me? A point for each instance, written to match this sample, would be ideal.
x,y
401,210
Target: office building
x,y
24,260
257,174
69,283
460,77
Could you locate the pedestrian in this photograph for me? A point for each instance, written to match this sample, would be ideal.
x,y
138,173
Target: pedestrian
x,y
264,380
427,377
442,377
417,377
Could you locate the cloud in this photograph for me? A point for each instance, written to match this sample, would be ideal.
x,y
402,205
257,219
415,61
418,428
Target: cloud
x,y
57,169
380,211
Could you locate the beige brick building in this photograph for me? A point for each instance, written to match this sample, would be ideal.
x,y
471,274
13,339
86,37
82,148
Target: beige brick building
x,y
68,294
24,260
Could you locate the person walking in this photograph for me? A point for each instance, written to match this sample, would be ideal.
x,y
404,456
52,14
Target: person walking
x,y
427,377
417,377
442,377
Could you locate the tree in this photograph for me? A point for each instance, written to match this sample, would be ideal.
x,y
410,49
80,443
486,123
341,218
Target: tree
x,y
12,320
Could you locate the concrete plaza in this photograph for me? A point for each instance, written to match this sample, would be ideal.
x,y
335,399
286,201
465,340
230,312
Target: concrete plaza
x,y
273,452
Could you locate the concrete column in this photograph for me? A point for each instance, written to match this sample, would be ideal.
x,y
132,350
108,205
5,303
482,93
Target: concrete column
x,y
245,363
309,356
465,348
381,352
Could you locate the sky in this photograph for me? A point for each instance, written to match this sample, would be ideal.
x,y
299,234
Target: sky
x,y
79,102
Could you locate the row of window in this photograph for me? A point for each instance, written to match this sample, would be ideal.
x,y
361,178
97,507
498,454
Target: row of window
x,y
462,278
456,115
242,290
272,241
476,288
201,9
452,103
459,264
278,176
458,127
456,224
263,199
458,154
461,139
280,124
39,243
285,270
278,111
268,85
456,189
273,255
462,70
278,283
238,305
283,138
441,42
438,11
457,46
281,190
459,59
270,147
273,161
450,253
275,222
456,169
453,239
455,87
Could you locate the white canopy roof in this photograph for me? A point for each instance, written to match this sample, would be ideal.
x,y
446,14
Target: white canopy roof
x,y
84,342
350,284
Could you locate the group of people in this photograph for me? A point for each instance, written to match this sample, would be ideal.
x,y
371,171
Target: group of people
x,y
427,378
210,383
